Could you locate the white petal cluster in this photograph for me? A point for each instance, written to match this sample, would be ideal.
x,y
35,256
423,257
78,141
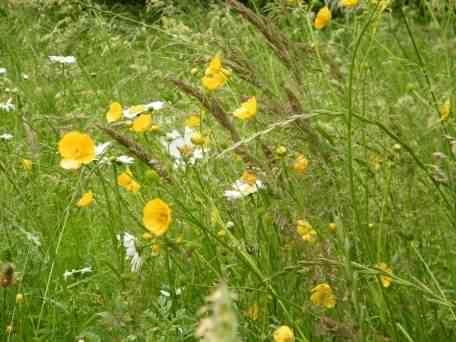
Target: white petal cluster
x,y
242,189
6,136
129,113
129,243
81,271
175,142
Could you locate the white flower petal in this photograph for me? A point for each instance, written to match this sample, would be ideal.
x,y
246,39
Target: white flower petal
x,y
155,105
62,59
125,160
101,149
6,136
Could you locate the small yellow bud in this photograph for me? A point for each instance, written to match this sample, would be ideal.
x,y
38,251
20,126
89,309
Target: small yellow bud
x,y
147,236
155,128
194,71
281,151
19,297
27,164
397,147
9,329
332,226
155,249
199,139
300,165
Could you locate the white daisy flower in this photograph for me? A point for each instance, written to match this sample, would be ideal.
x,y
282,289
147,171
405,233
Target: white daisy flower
x,y
2,71
181,147
242,189
6,136
129,243
101,149
63,59
125,160
81,271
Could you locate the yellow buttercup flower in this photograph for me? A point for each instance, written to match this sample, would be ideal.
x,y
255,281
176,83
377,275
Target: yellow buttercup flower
x,y
300,165
215,81
322,294
199,139
76,149
215,75
323,18
249,177
247,110
147,236
85,200
126,181
384,279
281,151
115,112
306,231
283,334
157,216
348,3
27,164
193,121
445,110
142,123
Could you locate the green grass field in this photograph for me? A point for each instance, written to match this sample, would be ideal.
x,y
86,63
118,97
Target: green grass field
x,y
324,211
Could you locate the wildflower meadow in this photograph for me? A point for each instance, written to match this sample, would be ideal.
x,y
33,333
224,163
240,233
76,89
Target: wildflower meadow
x,y
227,170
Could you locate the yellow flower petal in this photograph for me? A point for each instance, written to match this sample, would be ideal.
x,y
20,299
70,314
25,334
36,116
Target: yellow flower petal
x,y
85,200
323,18
70,164
248,109
300,165
157,216
115,112
126,181
445,109
141,123
76,149
193,121
384,279
27,164
215,81
215,65
249,177
348,3
322,294
283,334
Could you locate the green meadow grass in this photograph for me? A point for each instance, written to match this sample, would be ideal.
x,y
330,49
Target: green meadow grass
x,y
359,99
